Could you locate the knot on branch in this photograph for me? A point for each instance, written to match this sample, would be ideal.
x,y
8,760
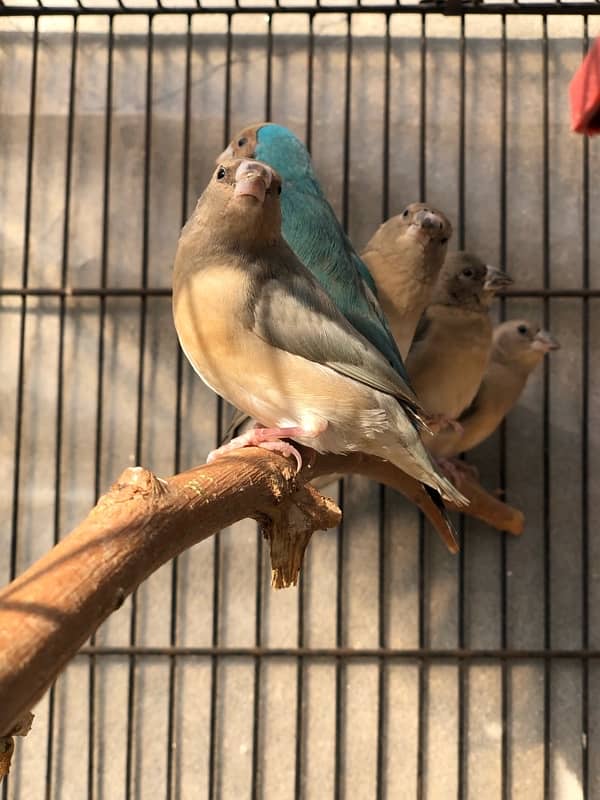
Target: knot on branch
x,y
7,743
142,480
132,482
288,529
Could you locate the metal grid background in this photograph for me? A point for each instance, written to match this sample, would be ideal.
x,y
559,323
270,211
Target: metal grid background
x,y
395,670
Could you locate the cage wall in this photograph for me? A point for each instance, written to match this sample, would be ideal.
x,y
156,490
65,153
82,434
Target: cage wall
x,y
395,670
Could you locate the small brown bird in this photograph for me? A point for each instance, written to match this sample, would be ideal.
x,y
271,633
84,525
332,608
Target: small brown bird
x,y
518,347
452,343
496,280
261,332
405,256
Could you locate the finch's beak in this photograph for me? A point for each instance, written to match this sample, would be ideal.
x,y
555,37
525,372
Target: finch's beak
x,y
225,155
544,342
252,179
496,279
425,225
428,220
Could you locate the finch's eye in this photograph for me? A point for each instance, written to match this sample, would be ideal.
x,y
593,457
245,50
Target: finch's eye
x,y
522,329
468,272
444,240
242,141
405,212
221,173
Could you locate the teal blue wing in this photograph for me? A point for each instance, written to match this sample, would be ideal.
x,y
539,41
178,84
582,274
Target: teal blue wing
x,y
362,268
313,232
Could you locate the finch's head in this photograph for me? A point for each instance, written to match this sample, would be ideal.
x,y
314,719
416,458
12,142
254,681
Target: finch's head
x,y
243,145
274,145
522,344
240,205
417,237
425,224
461,281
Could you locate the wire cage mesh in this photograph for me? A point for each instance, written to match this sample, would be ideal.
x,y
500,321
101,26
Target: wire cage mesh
x,y
394,670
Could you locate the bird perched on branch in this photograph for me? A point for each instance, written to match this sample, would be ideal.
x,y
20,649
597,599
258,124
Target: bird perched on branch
x,y
518,347
313,232
261,332
405,256
452,343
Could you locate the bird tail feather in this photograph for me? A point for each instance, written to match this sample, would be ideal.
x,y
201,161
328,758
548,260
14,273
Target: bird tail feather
x,y
440,520
448,490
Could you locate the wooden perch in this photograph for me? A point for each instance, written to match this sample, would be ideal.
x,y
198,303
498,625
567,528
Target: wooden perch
x,y
483,505
48,612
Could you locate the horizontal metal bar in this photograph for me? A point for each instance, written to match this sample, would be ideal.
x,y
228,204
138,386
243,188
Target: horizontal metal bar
x,y
548,292
88,291
543,8
165,291
338,652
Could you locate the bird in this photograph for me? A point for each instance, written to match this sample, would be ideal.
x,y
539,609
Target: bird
x,y
518,347
452,342
312,230
404,256
496,280
262,333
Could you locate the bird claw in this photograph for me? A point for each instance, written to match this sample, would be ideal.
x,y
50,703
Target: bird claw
x,y
285,448
458,470
438,422
267,438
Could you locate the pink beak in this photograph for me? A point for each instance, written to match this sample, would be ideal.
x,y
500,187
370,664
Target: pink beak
x,y
544,342
252,179
425,225
225,155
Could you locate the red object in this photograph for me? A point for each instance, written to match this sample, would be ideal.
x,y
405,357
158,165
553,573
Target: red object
x,y
584,92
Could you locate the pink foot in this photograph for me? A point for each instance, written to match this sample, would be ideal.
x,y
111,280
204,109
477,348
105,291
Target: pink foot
x,y
438,422
457,470
269,439
285,448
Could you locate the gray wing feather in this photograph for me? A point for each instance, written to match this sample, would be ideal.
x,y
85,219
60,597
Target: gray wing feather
x,y
293,313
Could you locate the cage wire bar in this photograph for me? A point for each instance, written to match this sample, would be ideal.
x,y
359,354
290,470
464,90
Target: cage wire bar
x,y
373,514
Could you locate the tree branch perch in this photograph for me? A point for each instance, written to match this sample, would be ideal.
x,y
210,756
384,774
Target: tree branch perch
x,y
48,612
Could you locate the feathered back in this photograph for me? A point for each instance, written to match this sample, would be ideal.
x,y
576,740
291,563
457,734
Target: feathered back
x,y
312,230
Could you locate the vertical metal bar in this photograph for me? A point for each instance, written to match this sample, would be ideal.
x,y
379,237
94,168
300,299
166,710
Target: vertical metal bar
x,y
347,114
24,282
546,411
503,539
60,367
256,773
131,693
214,667
340,667
585,377
14,540
422,690
382,639
423,111
129,780
185,165
100,387
462,555
340,670
385,178
299,750
461,136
